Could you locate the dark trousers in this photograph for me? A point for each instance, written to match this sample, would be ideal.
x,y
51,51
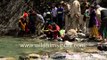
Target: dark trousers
x,y
49,34
60,22
54,19
32,29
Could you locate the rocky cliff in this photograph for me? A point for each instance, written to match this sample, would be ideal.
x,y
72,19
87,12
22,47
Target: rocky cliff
x,y
10,11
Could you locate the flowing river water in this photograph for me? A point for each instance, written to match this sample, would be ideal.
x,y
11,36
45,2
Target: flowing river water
x,y
16,46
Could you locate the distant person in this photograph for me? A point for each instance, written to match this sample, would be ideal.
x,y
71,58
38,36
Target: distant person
x,y
54,13
86,20
25,16
48,17
67,13
32,19
23,26
84,6
76,15
60,16
39,23
93,23
103,28
53,31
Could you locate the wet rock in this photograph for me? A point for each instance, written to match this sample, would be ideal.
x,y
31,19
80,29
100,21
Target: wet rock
x,y
72,32
23,57
58,56
102,47
34,57
67,43
45,57
91,50
81,35
80,39
98,56
2,58
7,58
30,57
70,35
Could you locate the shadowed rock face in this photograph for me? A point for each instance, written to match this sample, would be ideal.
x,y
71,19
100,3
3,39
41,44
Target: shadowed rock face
x,y
10,11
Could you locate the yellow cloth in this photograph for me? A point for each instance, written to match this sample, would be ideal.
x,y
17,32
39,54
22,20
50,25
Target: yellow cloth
x,y
22,25
94,31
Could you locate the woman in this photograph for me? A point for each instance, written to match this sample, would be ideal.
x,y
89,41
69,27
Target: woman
x,y
23,26
93,23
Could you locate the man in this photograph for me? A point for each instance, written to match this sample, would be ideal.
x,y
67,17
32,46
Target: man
x,y
75,15
67,8
54,13
32,19
39,23
85,12
60,16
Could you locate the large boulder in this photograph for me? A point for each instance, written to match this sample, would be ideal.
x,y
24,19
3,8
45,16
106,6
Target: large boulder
x,y
31,56
10,11
102,46
58,56
70,35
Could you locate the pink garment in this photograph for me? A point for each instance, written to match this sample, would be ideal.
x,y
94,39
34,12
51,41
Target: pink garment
x,y
97,23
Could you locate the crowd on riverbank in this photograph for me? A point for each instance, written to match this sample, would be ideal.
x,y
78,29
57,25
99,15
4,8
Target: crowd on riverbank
x,y
65,18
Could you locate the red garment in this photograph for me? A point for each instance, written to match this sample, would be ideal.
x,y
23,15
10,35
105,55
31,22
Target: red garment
x,y
55,31
57,28
50,27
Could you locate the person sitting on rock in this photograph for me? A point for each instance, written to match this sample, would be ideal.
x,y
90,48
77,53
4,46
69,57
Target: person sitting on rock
x,y
53,31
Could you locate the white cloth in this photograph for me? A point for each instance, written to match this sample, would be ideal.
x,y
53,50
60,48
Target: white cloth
x,y
69,7
54,12
75,14
41,18
75,8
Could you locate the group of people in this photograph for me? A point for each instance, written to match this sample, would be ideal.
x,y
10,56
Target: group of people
x,y
28,21
58,18
95,20
49,22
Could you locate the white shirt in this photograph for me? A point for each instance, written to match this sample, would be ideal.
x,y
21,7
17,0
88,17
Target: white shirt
x,y
41,17
54,12
75,8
